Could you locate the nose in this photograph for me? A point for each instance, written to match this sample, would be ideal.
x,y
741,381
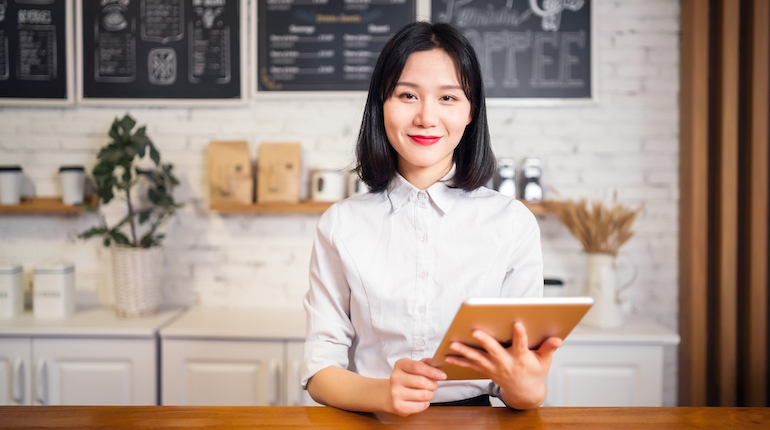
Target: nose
x,y
427,115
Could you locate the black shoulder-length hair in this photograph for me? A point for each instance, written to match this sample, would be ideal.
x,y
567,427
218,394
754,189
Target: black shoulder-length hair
x,y
376,160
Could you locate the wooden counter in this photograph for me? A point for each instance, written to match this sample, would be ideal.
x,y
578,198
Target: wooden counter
x,y
186,417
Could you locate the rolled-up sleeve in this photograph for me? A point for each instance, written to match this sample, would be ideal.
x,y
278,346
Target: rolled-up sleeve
x,y
330,332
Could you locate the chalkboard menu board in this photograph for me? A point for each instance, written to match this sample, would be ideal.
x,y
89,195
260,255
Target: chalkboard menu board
x,y
161,50
536,49
35,53
323,45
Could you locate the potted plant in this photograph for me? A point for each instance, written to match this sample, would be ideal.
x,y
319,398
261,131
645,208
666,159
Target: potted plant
x,y
602,230
135,239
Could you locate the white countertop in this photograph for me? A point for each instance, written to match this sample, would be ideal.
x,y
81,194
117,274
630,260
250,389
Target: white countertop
x,y
289,324
636,330
97,322
231,323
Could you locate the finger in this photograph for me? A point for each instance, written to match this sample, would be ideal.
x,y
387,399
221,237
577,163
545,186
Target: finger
x,y
404,409
464,362
549,346
477,356
520,343
496,351
420,368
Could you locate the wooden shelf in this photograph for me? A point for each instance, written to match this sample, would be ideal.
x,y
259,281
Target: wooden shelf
x,y
46,205
539,208
309,206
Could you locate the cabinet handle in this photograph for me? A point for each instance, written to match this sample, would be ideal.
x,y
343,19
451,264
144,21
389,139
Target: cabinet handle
x,y
18,381
273,382
292,385
41,378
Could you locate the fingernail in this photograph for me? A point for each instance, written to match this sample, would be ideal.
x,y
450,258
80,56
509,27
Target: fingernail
x,y
455,346
476,333
441,375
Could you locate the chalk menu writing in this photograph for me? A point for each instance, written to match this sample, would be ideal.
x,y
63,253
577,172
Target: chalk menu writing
x,y
33,50
526,48
161,49
324,45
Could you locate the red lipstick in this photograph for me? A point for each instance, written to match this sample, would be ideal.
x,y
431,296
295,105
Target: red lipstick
x,y
425,140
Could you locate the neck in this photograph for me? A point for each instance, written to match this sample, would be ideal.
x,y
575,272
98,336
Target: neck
x,y
424,177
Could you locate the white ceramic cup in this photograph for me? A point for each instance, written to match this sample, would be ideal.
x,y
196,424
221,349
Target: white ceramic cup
x,y
327,185
355,185
10,185
73,181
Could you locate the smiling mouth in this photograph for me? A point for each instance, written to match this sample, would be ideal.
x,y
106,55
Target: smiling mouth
x,y
425,140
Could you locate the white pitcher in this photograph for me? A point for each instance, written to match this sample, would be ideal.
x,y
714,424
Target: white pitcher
x,y
601,283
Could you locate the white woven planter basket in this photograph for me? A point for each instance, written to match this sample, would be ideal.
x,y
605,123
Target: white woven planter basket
x,y
136,274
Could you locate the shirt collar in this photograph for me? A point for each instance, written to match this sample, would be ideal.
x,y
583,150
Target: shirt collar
x,y
401,192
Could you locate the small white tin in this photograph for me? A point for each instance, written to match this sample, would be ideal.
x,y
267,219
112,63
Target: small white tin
x,y
54,290
11,290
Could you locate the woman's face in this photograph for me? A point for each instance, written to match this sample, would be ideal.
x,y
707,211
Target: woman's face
x,y
426,116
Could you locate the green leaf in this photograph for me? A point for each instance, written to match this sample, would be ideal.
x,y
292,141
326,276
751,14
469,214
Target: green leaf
x,y
107,241
144,216
154,154
127,123
119,238
92,232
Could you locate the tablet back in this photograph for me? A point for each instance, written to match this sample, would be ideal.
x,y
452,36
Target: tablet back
x,y
542,318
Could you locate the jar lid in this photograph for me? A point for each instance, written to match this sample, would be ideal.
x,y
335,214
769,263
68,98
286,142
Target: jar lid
x,y
7,268
55,268
72,169
15,168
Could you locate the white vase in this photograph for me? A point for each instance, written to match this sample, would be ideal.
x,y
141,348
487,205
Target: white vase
x,y
601,283
136,275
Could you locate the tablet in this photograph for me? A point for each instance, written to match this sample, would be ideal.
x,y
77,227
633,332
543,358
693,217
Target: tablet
x,y
542,318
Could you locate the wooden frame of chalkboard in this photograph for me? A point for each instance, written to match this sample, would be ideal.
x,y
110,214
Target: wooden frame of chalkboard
x,y
43,84
209,75
383,21
509,34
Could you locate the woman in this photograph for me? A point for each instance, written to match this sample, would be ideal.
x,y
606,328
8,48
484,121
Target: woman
x,y
390,268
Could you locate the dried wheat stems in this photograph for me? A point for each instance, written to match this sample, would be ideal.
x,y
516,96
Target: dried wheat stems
x,y
599,228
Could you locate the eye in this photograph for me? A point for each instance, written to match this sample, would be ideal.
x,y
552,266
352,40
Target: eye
x,y
407,96
448,98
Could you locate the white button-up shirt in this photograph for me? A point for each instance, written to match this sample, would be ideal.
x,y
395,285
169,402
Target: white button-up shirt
x,y
389,271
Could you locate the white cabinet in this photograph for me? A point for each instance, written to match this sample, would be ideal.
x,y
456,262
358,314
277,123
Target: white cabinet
x,y
90,358
15,371
232,357
617,367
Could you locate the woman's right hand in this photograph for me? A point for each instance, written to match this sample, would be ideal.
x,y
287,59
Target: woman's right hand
x,y
412,385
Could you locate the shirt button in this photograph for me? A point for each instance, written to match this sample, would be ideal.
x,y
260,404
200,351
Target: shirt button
x,y
420,196
420,343
422,275
421,309
422,237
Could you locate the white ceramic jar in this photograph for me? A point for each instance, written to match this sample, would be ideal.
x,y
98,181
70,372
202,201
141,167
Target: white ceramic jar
x,y
355,185
10,185
11,290
73,181
54,290
327,185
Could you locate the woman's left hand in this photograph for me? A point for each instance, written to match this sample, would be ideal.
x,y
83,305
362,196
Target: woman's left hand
x,y
519,371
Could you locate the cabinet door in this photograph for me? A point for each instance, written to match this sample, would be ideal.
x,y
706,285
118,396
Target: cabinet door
x,y
94,371
221,373
15,371
295,395
604,375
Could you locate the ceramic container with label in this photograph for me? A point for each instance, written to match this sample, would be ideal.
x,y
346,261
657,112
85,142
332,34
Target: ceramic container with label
x,y
54,290
11,290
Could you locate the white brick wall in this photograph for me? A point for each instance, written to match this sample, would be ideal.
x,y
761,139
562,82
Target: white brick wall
x,y
627,142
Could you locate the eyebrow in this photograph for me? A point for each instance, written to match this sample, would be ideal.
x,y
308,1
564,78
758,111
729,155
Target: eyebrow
x,y
442,87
